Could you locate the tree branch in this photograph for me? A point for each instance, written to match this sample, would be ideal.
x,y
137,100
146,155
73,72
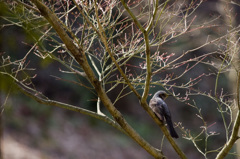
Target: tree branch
x,y
80,57
103,38
234,136
147,82
40,98
133,16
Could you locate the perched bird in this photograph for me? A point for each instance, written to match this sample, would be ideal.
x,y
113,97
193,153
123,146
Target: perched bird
x,y
161,110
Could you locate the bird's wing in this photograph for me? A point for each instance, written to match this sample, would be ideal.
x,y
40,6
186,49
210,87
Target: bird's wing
x,y
164,109
167,115
157,109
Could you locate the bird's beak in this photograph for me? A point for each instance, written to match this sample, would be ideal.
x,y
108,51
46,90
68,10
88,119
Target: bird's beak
x,y
168,95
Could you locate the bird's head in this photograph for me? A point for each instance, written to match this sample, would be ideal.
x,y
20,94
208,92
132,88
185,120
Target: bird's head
x,y
161,94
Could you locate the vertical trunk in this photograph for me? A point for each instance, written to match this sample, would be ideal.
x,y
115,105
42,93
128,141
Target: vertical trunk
x,y
1,130
227,10
1,122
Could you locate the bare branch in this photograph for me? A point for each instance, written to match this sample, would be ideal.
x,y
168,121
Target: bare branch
x,y
80,57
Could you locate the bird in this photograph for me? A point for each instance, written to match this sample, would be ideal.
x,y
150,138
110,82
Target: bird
x,y
161,110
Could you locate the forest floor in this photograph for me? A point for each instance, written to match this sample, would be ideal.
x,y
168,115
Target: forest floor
x,y
66,140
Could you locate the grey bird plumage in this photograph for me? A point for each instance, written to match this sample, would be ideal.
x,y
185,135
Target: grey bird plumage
x,y
160,108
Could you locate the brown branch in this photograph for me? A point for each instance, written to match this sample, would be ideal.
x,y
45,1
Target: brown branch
x,y
40,98
166,133
103,38
27,5
147,83
234,136
147,51
134,18
1,132
80,57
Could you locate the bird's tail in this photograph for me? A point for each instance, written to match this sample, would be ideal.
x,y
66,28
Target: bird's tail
x,y
172,131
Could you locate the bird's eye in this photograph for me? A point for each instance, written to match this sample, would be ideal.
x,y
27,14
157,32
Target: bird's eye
x,y
162,95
